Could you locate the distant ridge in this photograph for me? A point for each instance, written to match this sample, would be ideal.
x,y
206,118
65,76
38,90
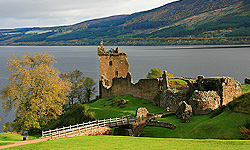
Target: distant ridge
x,y
182,22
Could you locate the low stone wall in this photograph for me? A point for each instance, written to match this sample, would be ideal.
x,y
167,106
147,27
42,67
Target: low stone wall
x,y
161,124
203,102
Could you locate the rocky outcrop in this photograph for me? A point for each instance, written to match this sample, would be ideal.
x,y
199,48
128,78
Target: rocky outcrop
x,y
184,112
203,102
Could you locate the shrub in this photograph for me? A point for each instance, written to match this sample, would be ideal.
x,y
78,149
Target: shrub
x,y
245,132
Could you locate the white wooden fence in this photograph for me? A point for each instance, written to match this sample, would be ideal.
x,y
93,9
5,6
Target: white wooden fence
x,y
85,126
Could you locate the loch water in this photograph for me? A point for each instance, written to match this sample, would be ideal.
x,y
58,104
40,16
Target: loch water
x,y
181,61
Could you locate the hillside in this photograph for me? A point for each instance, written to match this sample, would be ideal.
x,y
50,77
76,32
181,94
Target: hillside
x,y
181,22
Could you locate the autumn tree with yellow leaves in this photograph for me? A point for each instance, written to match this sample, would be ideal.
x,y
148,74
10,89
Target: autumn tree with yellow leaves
x,y
35,90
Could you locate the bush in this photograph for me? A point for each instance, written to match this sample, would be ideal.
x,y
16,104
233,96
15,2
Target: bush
x,y
75,114
245,132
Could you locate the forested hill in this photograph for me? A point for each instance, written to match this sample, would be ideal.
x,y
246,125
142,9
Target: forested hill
x,y
181,22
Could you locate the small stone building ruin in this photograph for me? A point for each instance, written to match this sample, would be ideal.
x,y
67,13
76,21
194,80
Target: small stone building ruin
x,y
204,94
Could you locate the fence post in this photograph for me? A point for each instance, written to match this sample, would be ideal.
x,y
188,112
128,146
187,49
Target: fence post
x,y
97,123
127,119
78,129
90,125
116,121
122,120
104,122
64,131
50,133
109,122
42,133
58,134
84,127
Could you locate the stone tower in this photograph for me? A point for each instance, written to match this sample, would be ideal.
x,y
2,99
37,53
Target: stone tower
x,y
111,64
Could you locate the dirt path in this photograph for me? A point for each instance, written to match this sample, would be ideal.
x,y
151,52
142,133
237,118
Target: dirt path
x,y
17,143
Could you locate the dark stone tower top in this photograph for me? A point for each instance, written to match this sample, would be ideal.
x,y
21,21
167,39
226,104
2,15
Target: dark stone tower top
x,y
111,64
101,51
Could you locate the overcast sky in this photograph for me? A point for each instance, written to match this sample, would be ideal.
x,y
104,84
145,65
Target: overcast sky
x,y
42,13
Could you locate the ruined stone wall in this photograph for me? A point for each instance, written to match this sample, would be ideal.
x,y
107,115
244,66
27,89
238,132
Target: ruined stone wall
x,y
230,89
144,88
172,97
226,87
141,113
203,102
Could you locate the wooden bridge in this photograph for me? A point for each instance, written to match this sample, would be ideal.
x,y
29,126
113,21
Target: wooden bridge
x,y
97,127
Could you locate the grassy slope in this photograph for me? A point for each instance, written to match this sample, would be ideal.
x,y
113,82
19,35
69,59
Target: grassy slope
x,y
4,143
9,136
103,108
245,88
223,126
117,142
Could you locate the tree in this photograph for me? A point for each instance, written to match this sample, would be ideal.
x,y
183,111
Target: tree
x,y
77,114
154,73
35,90
76,79
82,89
90,89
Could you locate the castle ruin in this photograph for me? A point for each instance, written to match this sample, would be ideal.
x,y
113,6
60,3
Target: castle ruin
x,y
204,94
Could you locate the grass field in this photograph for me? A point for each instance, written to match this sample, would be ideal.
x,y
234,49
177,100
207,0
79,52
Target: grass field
x,y
118,142
10,136
110,108
4,143
223,126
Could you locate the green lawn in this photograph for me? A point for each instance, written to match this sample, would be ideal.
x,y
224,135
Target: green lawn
x,y
4,143
110,108
223,126
245,88
10,136
177,83
118,142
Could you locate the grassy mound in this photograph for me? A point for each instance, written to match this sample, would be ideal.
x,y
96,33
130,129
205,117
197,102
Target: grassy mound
x,y
177,83
223,126
111,107
10,136
240,104
245,88
117,142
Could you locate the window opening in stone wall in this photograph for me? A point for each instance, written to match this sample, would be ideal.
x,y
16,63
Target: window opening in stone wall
x,y
110,63
116,73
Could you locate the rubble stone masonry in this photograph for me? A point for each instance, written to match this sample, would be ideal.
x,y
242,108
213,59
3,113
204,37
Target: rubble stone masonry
x,y
204,94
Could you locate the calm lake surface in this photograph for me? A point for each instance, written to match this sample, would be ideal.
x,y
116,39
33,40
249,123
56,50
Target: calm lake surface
x,y
182,61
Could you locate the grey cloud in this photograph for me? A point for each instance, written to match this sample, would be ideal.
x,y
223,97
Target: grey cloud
x,y
30,13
